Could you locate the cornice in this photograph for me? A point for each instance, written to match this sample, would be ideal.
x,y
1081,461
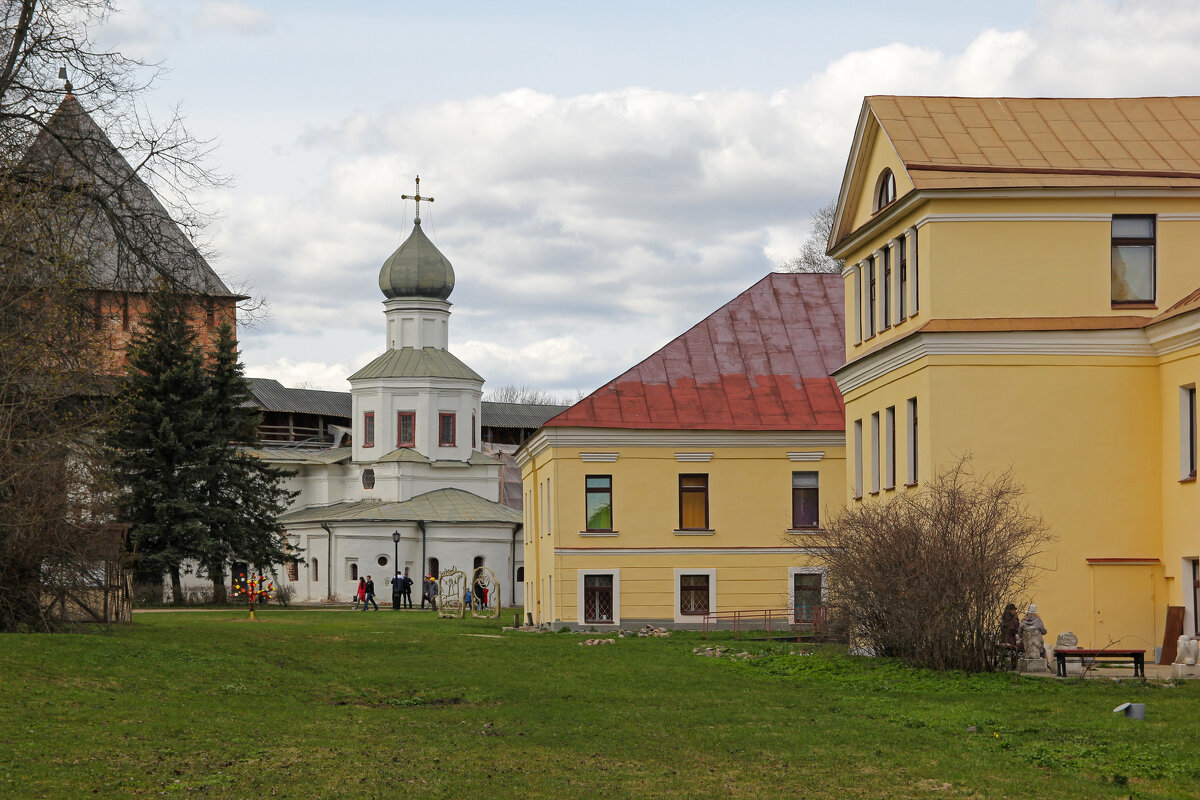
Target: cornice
x,y
599,439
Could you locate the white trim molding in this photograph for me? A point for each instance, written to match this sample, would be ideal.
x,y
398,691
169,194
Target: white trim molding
x,y
1013,217
693,457
685,551
815,456
598,458
712,594
791,583
616,590
586,438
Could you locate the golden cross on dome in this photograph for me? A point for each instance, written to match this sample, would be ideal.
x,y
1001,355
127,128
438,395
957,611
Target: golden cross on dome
x,y
418,198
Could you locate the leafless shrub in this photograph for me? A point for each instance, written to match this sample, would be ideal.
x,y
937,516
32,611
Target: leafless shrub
x,y
924,576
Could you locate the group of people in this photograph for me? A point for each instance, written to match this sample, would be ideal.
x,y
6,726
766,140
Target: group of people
x,y
402,585
1013,627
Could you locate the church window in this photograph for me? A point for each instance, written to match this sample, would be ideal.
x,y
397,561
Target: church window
x,y
1132,263
382,561
446,430
520,574
353,570
316,570
806,500
293,571
406,429
368,429
368,478
473,432
694,594
598,496
693,502
434,568
885,190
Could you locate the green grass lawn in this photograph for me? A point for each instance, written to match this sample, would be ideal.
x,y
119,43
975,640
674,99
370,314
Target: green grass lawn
x,y
333,703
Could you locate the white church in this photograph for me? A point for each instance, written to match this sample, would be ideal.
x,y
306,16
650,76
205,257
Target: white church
x,y
413,491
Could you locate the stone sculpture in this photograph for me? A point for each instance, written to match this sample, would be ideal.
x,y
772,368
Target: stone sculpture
x,y
1193,651
1181,649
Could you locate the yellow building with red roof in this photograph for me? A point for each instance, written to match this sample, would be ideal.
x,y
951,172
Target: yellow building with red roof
x,y
686,485
1022,286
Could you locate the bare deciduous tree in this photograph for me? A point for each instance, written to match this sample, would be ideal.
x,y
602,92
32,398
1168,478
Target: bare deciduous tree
x,y
924,576
811,257
77,214
524,394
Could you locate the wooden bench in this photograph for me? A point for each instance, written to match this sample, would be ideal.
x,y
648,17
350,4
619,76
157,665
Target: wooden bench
x,y
1138,656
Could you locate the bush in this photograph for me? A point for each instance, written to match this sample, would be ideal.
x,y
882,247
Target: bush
x,y
924,576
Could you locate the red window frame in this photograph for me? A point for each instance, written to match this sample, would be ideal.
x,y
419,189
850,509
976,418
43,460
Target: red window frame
x,y
443,441
368,429
411,416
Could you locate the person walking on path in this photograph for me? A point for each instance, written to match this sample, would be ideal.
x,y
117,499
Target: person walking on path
x,y
369,595
360,593
406,589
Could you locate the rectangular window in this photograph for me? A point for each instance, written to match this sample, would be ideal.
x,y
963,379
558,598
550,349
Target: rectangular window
x,y
598,497
805,500
1187,432
912,440
693,594
889,448
210,314
916,266
598,598
902,274
858,462
406,429
875,452
368,429
806,597
871,298
693,502
858,333
1132,270
446,430
886,297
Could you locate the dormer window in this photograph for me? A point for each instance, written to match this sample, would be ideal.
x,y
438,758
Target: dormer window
x,y
885,190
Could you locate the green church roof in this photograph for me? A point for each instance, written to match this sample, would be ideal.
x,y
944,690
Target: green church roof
x,y
412,362
417,269
441,505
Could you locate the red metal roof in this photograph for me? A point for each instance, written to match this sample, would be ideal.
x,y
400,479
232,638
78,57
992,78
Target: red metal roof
x,y
762,362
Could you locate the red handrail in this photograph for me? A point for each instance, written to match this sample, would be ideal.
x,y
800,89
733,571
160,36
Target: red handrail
x,y
766,615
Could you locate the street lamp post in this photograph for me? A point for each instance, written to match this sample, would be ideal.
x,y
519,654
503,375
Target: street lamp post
x,y
395,569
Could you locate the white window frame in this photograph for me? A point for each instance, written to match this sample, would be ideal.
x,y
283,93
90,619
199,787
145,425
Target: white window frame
x,y
695,619
889,447
910,413
616,580
858,326
875,453
791,585
911,240
858,459
1187,431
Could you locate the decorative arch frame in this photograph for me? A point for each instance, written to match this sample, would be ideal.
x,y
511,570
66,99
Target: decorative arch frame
x,y
885,190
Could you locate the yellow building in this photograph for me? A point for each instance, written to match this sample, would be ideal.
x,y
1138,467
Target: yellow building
x,y
1021,285
684,485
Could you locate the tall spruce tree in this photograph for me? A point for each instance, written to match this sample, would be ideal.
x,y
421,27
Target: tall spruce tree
x,y
244,494
162,444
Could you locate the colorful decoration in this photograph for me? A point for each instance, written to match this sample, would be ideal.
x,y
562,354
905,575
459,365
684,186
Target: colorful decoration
x,y
256,589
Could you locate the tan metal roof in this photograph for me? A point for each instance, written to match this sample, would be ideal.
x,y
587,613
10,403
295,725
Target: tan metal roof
x,y
441,505
965,142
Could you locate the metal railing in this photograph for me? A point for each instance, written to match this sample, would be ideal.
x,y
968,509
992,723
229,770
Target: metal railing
x,y
810,621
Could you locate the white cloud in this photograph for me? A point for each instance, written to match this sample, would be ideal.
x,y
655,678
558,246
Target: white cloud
x,y
232,16
588,230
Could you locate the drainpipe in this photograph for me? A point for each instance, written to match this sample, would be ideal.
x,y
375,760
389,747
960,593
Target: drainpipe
x,y
512,559
328,562
424,562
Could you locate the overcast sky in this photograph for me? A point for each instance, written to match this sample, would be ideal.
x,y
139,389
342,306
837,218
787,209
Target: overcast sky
x,y
605,174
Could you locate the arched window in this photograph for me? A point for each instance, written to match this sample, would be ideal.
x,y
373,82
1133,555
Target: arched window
x,y
473,431
433,567
885,190
520,574
478,562
353,570
316,570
